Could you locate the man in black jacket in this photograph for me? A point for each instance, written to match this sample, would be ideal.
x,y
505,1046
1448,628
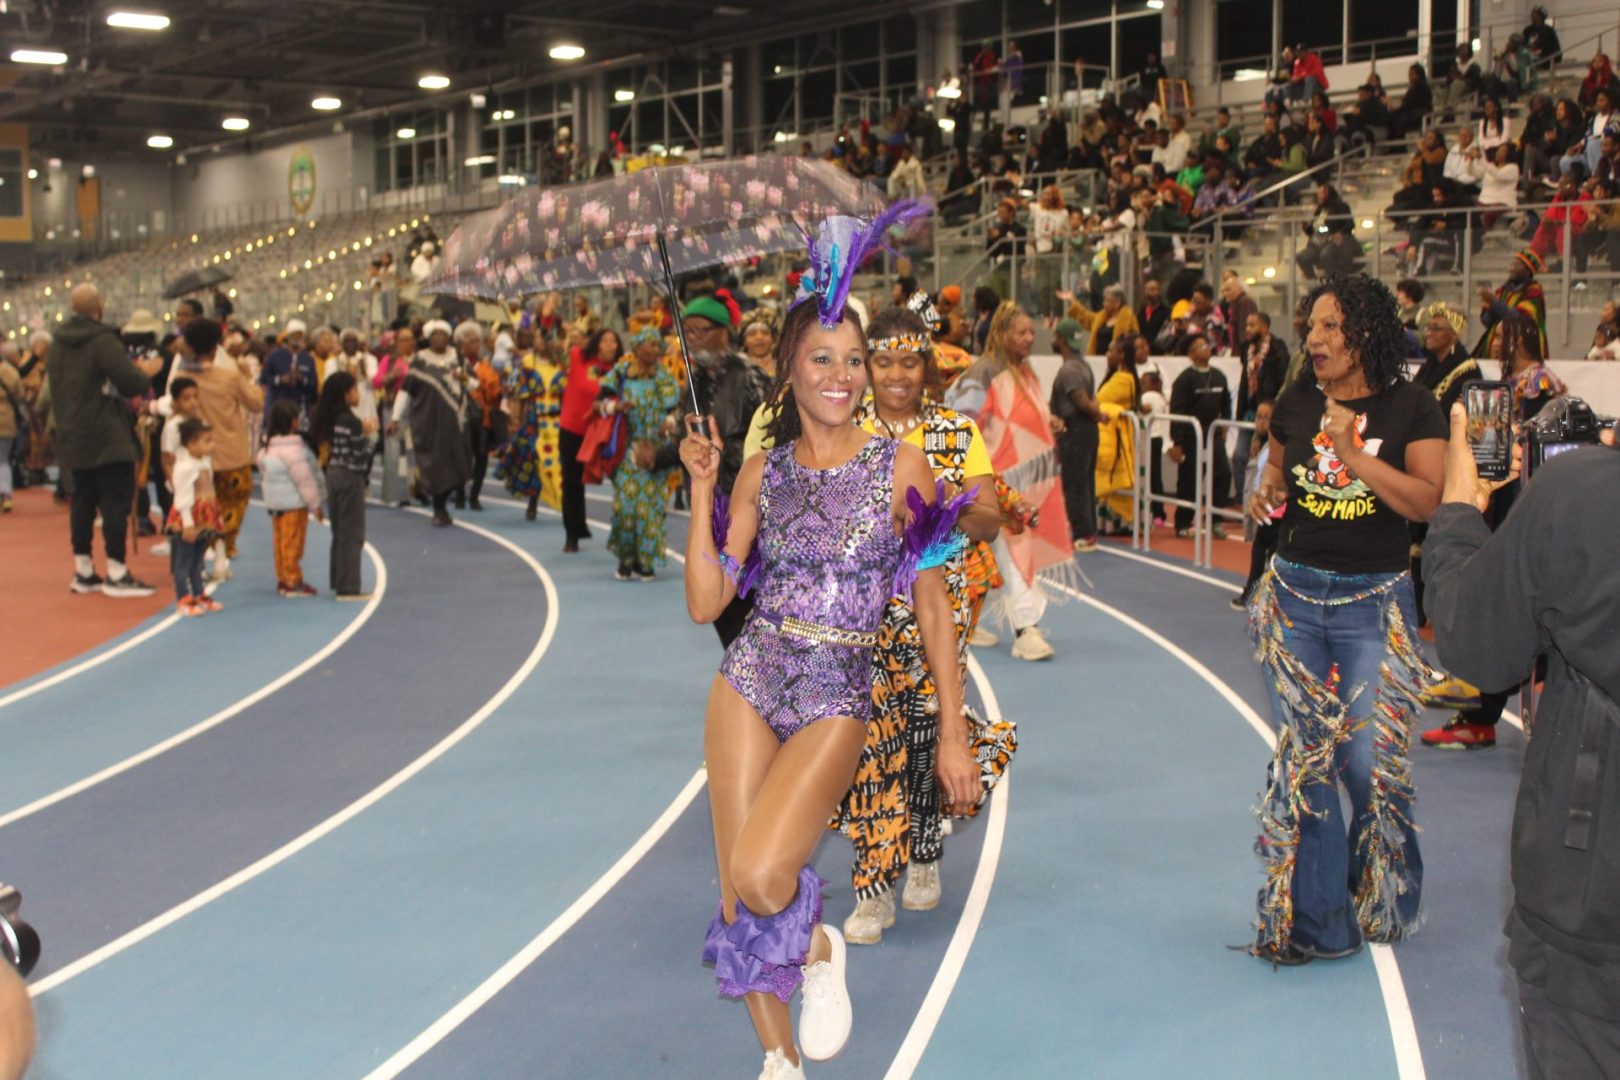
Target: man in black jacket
x,y
91,382
729,389
1199,391
1547,583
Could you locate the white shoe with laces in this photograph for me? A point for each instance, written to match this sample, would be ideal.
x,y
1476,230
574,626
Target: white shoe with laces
x,y
983,639
825,1019
922,887
1031,644
778,1067
870,918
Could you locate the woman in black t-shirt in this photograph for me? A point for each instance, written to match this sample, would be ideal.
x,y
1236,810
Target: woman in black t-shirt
x,y
1356,453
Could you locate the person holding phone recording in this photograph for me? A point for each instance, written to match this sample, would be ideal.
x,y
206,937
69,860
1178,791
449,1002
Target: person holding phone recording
x,y
1356,452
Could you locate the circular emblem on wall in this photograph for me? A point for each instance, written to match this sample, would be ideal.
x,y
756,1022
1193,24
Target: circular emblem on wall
x,y
301,180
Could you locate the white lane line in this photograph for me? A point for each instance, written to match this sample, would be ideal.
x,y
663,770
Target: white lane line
x,y
1226,586
220,717
1402,1027
95,661
436,1032
910,1054
1118,552
348,813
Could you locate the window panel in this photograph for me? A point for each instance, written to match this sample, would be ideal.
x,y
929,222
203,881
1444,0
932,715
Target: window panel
x,y
1076,10
1316,24
1243,32
1026,15
859,42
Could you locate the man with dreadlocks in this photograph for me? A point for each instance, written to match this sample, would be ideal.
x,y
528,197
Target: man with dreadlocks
x,y
1521,292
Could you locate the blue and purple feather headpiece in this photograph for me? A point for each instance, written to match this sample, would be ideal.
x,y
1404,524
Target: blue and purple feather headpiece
x,y
839,248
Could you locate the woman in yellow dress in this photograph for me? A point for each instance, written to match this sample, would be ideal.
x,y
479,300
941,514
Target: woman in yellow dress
x,y
531,464
1116,437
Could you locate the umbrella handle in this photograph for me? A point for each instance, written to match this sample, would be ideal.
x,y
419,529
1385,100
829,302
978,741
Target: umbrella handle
x,y
680,330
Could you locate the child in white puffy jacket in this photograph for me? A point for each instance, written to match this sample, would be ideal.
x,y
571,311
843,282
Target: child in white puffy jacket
x,y
291,482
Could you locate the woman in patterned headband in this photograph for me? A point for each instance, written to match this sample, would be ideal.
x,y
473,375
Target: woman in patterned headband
x,y
892,814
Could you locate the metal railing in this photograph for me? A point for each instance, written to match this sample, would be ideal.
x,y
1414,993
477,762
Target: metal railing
x,y
1204,518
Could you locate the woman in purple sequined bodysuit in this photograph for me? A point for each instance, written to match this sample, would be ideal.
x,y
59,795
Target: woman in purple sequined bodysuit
x,y
820,528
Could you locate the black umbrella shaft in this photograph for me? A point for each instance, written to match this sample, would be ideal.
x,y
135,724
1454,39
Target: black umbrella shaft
x,y
680,329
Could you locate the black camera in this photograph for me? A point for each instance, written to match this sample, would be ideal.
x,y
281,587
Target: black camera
x,y
1565,424
19,942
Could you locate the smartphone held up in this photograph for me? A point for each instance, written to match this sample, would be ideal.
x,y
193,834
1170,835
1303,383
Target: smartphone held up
x,y
1490,426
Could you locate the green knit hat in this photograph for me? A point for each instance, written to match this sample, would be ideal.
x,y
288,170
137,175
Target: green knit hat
x,y
707,307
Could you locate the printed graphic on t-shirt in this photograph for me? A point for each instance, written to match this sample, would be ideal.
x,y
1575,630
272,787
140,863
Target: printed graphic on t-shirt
x,y
1331,490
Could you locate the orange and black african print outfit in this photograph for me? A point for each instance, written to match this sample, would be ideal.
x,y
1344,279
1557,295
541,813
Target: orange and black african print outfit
x,y
892,812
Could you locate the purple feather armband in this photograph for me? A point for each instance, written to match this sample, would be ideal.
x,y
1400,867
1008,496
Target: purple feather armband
x,y
744,574
931,539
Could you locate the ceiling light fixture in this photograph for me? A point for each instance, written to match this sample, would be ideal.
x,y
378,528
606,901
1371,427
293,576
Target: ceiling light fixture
x,y
406,133
160,142
137,20
564,51
326,104
434,81
624,95
1155,5
236,123
33,174
38,56
471,163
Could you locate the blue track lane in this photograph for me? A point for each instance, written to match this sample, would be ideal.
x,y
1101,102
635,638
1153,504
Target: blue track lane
x,y
150,838
328,963
170,682
1126,867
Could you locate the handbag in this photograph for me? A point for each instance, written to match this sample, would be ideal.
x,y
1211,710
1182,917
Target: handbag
x,y
606,439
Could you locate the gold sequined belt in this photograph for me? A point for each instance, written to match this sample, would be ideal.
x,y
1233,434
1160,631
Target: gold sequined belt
x,y
805,630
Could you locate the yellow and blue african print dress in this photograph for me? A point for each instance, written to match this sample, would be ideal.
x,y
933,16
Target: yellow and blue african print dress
x,y
640,496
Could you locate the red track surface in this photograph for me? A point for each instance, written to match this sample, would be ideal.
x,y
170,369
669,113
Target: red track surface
x,y
47,624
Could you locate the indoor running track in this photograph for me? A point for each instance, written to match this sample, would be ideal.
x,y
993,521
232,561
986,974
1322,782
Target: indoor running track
x,y
460,832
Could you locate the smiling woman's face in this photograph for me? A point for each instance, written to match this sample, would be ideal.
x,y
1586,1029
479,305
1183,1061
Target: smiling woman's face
x,y
897,378
829,374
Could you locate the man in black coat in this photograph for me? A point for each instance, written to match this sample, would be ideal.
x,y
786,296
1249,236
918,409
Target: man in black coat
x,y
1547,583
91,382
1199,391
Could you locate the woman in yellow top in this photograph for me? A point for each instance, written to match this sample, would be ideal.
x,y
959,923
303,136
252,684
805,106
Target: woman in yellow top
x,y
1114,321
1116,437
892,813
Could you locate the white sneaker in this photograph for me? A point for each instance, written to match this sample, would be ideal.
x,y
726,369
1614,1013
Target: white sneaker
x,y
922,887
160,549
870,918
778,1067
983,639
825,1019
1031,644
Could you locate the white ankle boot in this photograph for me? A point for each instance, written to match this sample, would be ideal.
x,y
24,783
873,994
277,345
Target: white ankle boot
x,y
922,887
870,918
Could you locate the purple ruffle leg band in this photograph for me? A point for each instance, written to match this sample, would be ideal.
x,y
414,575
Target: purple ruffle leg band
x,y
765,954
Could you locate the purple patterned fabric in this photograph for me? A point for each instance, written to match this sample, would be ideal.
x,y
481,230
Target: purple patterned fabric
x,y
828,554
765,954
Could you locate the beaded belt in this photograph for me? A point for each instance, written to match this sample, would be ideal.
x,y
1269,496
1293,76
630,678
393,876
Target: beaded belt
x,y
805,630
1338,601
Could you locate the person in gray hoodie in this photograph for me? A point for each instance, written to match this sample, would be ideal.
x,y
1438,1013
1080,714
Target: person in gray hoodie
x,y
91,381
